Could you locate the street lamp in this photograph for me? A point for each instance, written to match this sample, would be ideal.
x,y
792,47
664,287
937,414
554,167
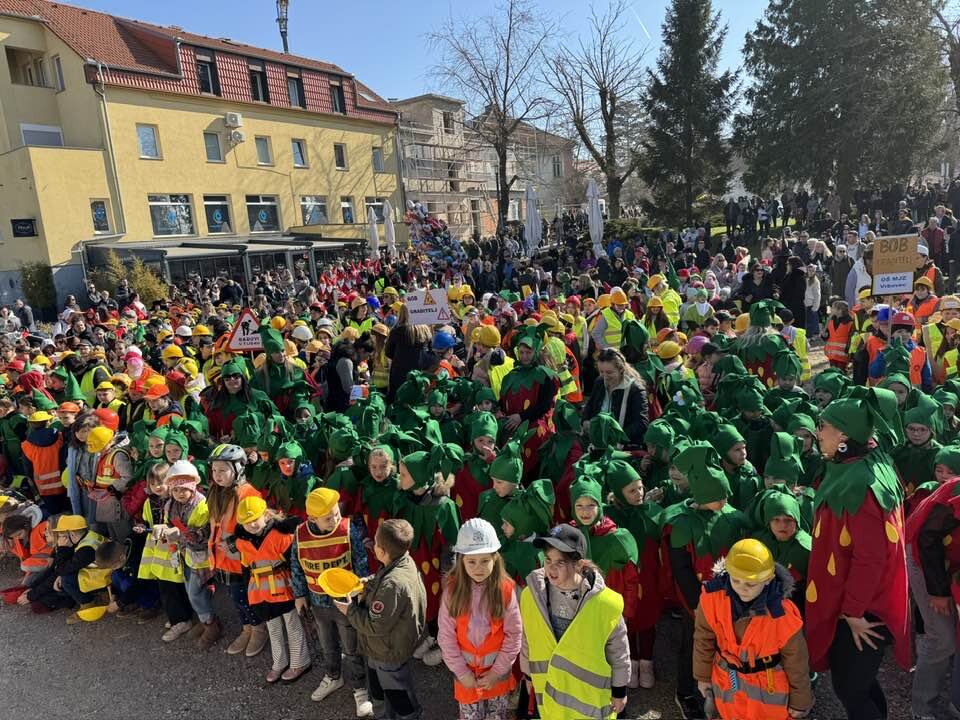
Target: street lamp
x,y
283,8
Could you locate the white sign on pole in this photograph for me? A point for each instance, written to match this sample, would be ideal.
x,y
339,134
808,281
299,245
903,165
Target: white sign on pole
x,y
428,307
245,336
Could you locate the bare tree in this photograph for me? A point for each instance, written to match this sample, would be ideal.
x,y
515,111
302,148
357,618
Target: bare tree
x,y
492,64
946,25
599,84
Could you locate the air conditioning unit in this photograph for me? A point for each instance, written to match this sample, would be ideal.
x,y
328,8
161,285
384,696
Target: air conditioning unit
x,y
237,137
233,120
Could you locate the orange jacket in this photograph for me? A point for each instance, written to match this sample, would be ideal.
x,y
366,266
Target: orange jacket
x,y
37,556
46,466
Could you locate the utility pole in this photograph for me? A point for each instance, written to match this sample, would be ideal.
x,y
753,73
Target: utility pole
x,y
283,9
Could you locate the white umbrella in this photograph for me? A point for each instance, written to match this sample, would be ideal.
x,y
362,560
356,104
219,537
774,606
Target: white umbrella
x,y
595,217
389,233
374,234
533,230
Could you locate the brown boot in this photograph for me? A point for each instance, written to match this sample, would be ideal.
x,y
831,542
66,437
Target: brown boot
x,y
258,640
239,645
195,632
211,633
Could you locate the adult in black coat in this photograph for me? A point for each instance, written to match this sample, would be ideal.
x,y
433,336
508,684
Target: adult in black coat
x,y
756,285
793,287
407,348
621,394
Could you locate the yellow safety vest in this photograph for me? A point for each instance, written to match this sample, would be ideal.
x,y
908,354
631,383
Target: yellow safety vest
x,y
860,336
87,385
381,371
581,333
571,677
162,560
498,372
671,305
613,332
92,578
800,346
931,337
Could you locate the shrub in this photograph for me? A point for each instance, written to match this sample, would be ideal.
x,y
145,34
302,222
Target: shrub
x,y
36,279
141,278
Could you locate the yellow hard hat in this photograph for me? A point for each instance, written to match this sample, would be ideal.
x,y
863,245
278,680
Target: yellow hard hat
x,y
453,293
92,614
654,302
277,322
751,561
171,352
668,349
42,360
99,438
603,302
40,416
618,297
654,282
466,291
202,330
321,501
251,509
106,385
339,582
741,324
70,523
389,290
395,306
488,336
163,335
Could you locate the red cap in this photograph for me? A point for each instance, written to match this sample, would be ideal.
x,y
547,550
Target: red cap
x,y
108,418
176,377
157,391
16,365
903,318
575,299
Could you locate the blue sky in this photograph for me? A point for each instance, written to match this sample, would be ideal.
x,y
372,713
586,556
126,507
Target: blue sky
x,y
382,42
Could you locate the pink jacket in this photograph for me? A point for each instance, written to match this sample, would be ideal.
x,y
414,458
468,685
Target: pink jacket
x,y
478,629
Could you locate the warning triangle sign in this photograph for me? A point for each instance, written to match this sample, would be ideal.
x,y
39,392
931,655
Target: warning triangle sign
x,y
245,336
428,298
443,315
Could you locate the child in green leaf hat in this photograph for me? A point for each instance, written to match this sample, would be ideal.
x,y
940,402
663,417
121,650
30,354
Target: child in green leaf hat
x,y
527,513
949,422
655,466
343,447
426,477
781,531
829,385
279,377
473,479
698,532
437,407
757,346
306,428
505,473
804,427
744,480
407,411
560,454
787,366
915,457
630,510
378,494
784,472
755,425
288,491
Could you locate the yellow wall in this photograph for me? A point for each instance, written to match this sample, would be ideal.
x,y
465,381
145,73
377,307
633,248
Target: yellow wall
x,y
18,199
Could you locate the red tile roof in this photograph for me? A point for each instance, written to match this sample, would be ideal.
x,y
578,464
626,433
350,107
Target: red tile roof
x,y
139,46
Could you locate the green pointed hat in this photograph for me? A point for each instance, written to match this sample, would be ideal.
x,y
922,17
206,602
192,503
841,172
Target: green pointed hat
x,y
831,381
60,372
861,412
566,418
486,393
424,466
508,465
530,510
728,364
777,502
233,367
660,434
605,431
41,401
700,464
762,312
784,461
272,340
619,474
896,357
289,450
437,397
725,438
413,390
787,364
401,443
71,390
949,455
482,424
247,427
586,486
531,336
343,443
634,335
175,437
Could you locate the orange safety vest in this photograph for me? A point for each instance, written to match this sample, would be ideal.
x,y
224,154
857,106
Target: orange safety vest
x,y
749,682
451,372
317,553
480,658
106,470
874,345
918,358
46,466
577,396
38,555
224,558
269,573
838,341
925,309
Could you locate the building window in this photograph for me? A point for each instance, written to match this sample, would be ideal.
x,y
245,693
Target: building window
x,y
217,210
171,214
299,148
340,156
313,209
41,73
58,71
44,135
258,81
101,217
557,166
448,122
378,159
262,213
211,142
207,73
376,203
264,154
149,140
337,99
346,209
295,90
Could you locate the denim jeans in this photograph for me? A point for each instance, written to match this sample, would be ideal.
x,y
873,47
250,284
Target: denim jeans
x,y
237,590
338,636
201,599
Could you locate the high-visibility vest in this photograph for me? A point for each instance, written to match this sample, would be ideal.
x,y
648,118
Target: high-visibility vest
x,y
613,332
269,573
222,557
498,373
364,326
582,334
92,578
671,306
925,309
838,340
163,560
46,466
380,376
875,345
800,346
749,682
571,676
317,553
88,385
106,469
38,555
862,332
480,658
573,394
918,358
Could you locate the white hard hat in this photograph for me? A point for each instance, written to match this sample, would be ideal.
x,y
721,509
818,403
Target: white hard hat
x,y
302,332
184,331
476,536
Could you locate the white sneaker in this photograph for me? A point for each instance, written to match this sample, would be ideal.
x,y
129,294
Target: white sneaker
x,y
327,686
181,628
433,657
364,706
428,642
645,676
633,683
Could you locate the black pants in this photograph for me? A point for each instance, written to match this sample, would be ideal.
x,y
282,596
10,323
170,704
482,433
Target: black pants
x,y
175,601
686,685
55,504
854,674
391,691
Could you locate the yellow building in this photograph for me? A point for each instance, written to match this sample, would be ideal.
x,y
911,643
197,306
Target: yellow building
x,y
199,154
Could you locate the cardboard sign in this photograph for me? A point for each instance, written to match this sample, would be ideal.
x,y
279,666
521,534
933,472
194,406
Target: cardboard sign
x,y
245,336
428,307
894,260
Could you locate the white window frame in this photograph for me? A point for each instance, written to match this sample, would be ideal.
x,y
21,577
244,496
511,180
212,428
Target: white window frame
x,y
256,146
41,128
193,214
377,202
376,151
156,138
106,208
41,71
303,152
221,158
310,201
226,201
58,73
348,204
346,161
264,200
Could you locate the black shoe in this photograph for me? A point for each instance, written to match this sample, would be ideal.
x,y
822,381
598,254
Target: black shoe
x,y
691,707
